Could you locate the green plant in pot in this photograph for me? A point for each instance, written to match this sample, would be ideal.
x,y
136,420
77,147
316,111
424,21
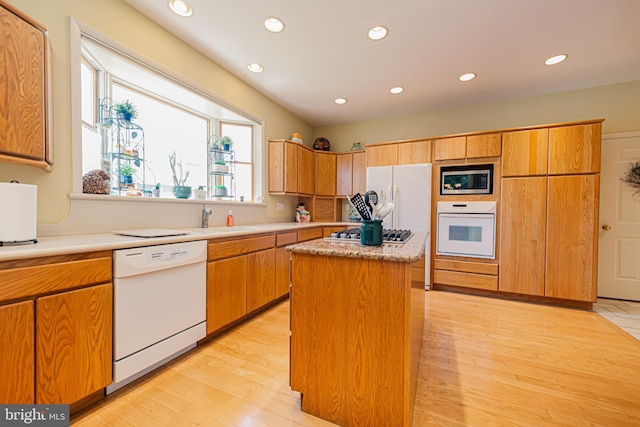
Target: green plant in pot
x,y
180,190
220,191
125,110
125,174
226,143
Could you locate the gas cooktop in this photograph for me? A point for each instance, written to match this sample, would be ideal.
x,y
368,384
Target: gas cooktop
x,y
353,235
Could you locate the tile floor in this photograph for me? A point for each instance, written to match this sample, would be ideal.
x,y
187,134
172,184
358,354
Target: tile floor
x,y
624,314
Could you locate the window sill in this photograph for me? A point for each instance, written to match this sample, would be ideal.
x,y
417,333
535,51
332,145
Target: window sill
x,y
138,199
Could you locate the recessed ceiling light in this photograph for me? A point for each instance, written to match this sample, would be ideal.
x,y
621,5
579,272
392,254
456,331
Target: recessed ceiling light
x,y
256,68
556,59
340,101
396,90
180,7
467,77
378,33
273,24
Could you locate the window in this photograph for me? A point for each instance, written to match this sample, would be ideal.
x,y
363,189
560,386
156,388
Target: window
x,y
171,118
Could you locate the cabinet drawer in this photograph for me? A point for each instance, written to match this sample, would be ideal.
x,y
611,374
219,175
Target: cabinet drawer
x,y
314,233
239,247
467,280
41,279
466,266
284,239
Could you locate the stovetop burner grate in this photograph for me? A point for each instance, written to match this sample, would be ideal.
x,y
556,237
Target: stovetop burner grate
x,y
353,235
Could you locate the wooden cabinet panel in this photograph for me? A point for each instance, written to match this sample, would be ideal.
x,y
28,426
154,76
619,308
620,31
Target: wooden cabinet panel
x,y
575,149
525,152
523,235
226,292
450,148
344,166
325,174
73,344
324,209
23,48
306,171
572,237
487,145
382,155
17,353
359,173
466,266
261,279
466,280
414,152
282,272
309,234
29,281
288,238
231,248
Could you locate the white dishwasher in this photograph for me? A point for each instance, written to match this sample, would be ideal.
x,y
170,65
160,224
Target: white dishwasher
x,y
159,308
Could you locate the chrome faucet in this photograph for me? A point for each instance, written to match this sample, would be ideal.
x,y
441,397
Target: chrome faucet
x,y
205,217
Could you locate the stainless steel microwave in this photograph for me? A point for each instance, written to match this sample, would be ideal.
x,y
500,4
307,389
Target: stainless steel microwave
x,y
467,179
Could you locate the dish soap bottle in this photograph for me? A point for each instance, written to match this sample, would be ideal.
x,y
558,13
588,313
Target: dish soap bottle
x,y
229,219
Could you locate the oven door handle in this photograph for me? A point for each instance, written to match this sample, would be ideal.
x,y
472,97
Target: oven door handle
x,y
468,215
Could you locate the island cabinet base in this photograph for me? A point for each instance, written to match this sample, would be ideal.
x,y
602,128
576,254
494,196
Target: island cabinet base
x,y
356,338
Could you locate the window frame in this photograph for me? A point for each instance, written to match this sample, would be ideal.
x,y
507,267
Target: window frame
x,y
79,30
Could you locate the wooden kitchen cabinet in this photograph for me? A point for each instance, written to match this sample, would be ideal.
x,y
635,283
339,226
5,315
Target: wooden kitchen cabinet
x,y
382,154
575,149
325,170
261,278
485,145
282,262
344,175
525,152
226,291
572,237
523,229
414,152
73,344
17,352
24,134
450,148
291,168
359,173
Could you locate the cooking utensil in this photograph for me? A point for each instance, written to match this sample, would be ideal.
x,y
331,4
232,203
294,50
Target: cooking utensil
x,y
358,204
386,210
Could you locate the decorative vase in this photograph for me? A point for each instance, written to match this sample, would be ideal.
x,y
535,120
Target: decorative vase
x,y
226,147
125,116
321,144
357,147
182,191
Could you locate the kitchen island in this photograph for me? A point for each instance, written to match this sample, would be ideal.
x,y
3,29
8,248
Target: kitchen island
x,y
357,318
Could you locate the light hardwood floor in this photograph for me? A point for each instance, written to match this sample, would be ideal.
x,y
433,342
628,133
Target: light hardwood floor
x,y
485,362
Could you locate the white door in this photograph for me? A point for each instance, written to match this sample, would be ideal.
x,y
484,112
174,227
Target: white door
x,y
412,197
619,246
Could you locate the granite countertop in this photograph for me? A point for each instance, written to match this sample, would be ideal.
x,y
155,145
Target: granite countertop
x,y
69,244
407,252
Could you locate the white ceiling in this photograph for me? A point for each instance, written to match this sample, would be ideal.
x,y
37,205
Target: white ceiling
x,y
324,52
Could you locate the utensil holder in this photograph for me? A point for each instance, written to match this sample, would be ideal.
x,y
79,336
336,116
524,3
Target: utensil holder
x,y
371,233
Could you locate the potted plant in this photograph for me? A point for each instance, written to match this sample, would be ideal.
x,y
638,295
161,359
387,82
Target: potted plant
x,y
220,191
226,143
200,192
156,191
125,174
180,176
125,110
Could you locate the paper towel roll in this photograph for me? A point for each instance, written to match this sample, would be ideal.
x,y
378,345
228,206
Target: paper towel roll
x,y
18,212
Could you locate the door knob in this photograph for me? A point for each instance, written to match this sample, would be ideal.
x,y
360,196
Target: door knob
x,y
606,227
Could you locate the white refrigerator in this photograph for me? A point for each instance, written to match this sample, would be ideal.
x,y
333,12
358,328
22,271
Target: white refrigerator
x,y
409,188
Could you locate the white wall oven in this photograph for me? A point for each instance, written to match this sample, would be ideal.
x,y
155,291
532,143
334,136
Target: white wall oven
x,y
466,229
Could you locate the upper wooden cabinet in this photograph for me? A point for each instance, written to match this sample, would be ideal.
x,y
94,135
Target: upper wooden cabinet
x,y
486,145
450,148
575,149
325,170
413,152
351,173
24,112
291,167
382,155
525,152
